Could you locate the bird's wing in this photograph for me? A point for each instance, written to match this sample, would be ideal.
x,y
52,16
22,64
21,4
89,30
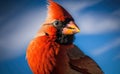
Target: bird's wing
x,y
41,55
82,63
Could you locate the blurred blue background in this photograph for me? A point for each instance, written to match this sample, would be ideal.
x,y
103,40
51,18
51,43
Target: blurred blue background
x,y
99,21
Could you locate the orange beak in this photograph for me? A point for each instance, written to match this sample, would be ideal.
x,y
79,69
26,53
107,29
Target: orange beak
x,y
71,28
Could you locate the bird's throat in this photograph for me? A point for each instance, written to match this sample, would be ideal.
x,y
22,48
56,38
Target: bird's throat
x,y
65,39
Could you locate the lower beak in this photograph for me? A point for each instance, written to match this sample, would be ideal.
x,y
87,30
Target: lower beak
x,y
71,28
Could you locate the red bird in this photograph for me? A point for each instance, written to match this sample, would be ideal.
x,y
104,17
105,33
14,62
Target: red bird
x,y
52,50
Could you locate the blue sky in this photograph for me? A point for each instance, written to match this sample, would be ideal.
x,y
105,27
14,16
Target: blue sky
x,y
99,21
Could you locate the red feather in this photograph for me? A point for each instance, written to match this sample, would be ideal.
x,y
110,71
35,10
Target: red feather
x,y
55,11
41,54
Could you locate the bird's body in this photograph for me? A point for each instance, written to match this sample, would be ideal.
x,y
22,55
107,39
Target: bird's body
x,y
52,50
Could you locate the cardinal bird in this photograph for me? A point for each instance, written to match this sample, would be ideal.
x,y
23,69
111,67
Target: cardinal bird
x,y
52,50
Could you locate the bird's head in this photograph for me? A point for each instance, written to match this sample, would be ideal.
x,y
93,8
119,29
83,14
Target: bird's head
x,y
62,21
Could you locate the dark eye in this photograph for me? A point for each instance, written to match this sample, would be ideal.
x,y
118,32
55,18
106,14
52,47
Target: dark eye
x,y
56,23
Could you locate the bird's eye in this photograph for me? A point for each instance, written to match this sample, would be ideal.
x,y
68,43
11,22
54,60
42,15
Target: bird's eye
x,y
56,23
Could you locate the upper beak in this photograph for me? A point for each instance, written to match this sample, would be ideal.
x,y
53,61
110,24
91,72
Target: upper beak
x,y
71,28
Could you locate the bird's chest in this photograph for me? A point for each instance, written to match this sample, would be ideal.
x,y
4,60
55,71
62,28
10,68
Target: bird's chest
x,y
62,61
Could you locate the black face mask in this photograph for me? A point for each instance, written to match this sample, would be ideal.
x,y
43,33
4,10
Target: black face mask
x,y
62,38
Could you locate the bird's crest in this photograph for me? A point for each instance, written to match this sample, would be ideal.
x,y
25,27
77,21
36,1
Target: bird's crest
x,y
56,11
